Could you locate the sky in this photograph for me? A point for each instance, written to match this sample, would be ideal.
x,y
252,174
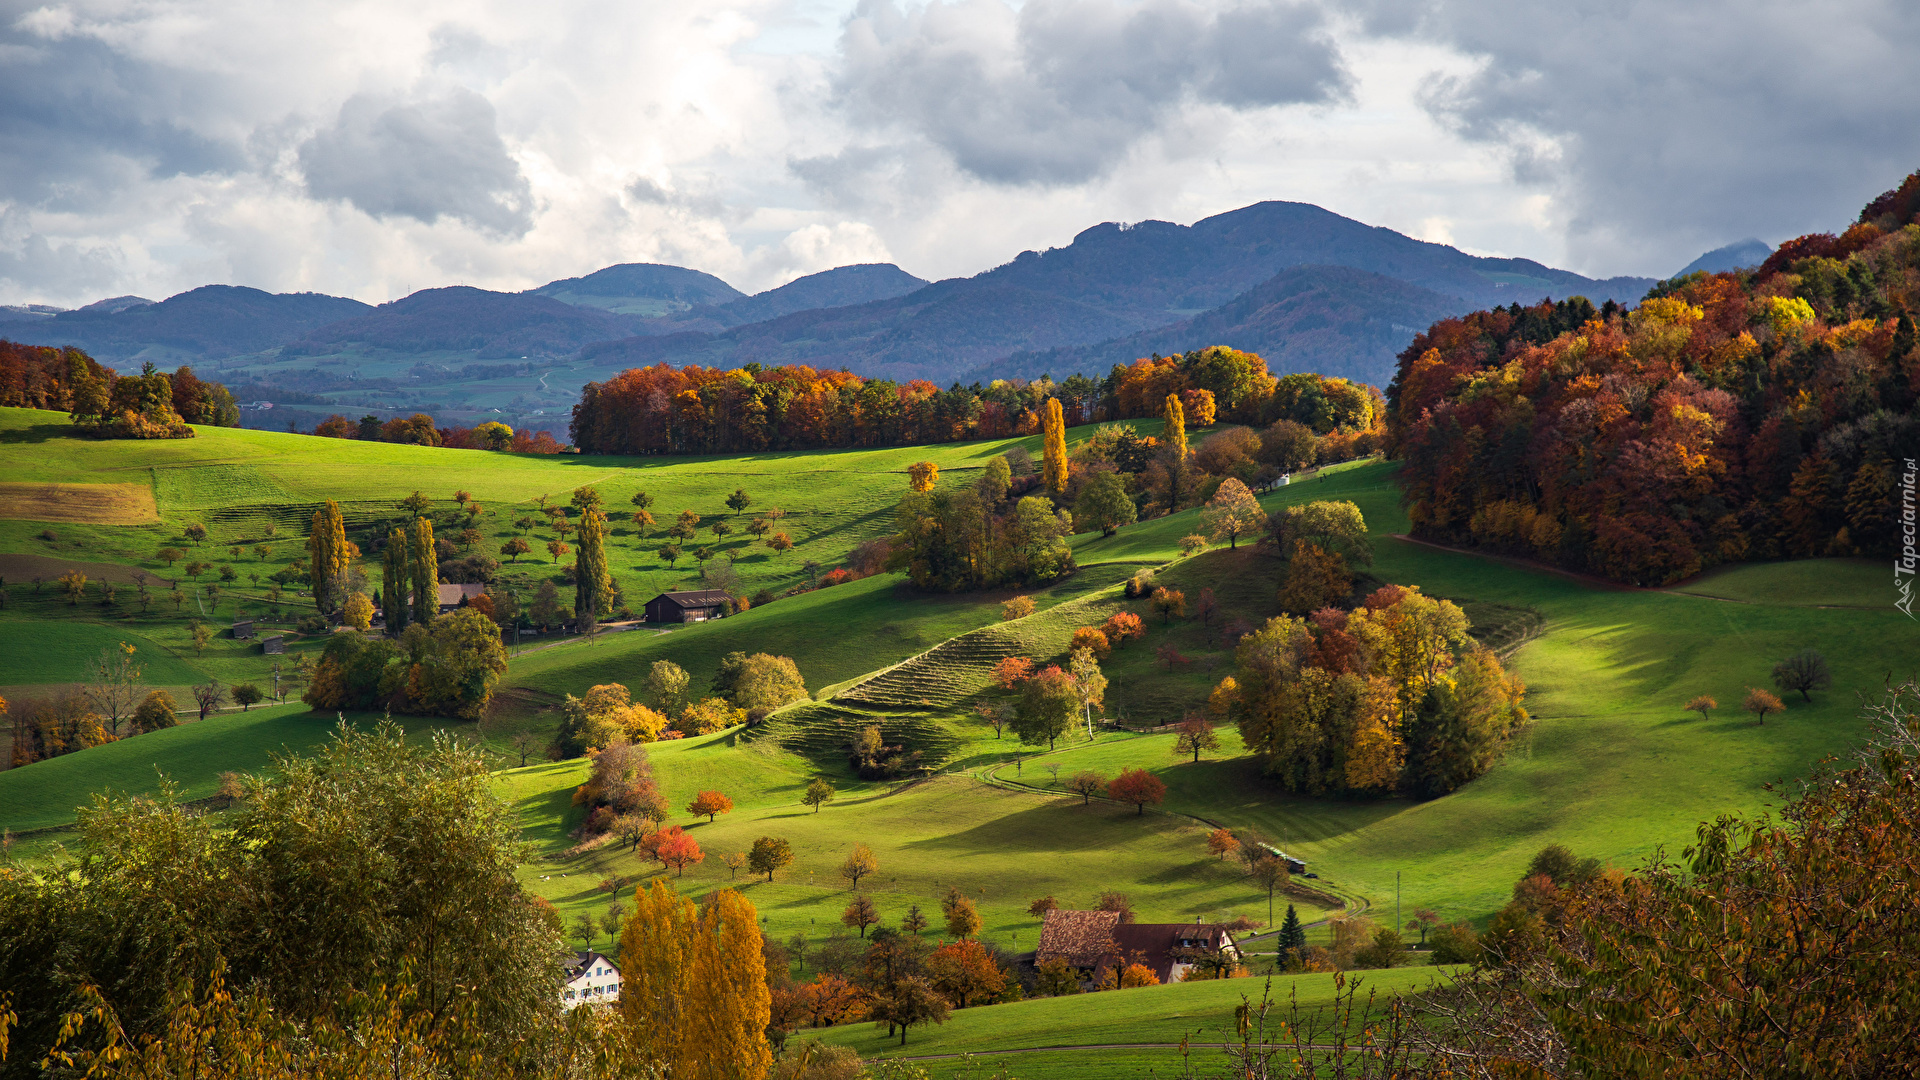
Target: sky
x,y
372,149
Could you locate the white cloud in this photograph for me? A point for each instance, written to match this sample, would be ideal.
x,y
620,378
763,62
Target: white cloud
x,y
371,149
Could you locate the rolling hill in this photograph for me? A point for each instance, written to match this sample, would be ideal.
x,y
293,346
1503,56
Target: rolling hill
x,y
208,323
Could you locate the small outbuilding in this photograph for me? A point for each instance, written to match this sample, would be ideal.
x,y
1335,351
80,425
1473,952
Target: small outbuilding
x,y
243,630
685,607
274,646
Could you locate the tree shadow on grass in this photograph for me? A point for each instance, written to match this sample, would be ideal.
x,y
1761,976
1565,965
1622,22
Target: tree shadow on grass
x,y
36,433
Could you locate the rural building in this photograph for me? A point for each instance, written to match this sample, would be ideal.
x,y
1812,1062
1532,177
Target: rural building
x,y
591,979
274,646
451,596
684,607
1094,941
243,630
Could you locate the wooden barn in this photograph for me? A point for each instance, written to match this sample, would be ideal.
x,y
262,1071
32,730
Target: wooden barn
x,y
684,607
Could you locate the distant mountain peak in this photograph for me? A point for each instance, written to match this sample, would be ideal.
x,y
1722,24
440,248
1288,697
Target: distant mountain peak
x,y
1735,256
648,290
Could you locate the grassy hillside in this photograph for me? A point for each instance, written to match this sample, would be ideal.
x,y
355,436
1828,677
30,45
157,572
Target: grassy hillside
x,y
1611,766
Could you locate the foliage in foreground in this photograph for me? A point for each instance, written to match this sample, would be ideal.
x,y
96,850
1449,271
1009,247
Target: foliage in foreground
x,y
369,866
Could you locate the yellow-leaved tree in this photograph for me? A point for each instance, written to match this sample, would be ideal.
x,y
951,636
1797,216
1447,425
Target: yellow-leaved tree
x,y
694,985
1054,449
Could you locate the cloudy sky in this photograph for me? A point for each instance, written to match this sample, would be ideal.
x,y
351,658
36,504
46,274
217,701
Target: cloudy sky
x,y
370,149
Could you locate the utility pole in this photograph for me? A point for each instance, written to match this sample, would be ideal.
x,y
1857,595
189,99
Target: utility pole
x,y
1396,901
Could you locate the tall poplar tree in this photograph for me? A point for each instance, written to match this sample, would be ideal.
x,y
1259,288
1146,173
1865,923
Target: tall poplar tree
x,y
327,553
593,585
1055,449
694,985
423,570
1173,442
395,569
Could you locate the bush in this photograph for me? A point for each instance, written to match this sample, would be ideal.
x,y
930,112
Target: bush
x,y
1454,943
313,624
762,597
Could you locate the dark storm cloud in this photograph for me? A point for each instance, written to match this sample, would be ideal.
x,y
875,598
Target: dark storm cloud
x,y
78,119
1059,92
1667,128
425,158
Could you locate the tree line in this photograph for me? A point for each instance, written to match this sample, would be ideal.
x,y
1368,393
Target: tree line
x,y
150,405
667,410
1749,414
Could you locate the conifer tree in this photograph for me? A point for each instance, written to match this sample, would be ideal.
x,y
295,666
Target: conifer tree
x,y
395,570
327,552
593,585
1292,937
423,570
1055,449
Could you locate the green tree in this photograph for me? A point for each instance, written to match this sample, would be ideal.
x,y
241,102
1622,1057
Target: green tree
x,y
593,583
1049,703
667,683
739,500
769,854
1104,504
768,682
818,793
416,503
396,581
423,570
247,695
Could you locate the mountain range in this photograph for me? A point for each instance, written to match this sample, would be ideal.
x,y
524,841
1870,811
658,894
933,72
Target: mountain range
x,y
1304,287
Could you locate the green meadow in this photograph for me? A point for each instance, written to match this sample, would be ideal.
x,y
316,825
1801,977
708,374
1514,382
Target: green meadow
x,y
1611,764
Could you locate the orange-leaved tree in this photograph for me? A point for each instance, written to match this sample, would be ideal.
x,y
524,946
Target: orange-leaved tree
x,y
1139,787
708,803
694,985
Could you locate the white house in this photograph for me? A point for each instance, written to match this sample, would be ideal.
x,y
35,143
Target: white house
x,y
591,978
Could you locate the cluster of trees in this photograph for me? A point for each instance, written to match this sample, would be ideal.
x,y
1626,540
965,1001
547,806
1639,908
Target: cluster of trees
x,y
152,404
1390,696
662,409
978,536
1116,475
745,689
305,929
893,975
1731,416
419,430
447,666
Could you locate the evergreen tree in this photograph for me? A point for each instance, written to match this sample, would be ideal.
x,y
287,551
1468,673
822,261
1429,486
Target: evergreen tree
x,y
423,570
1292,937
593,585
395,568
327,551
1055,449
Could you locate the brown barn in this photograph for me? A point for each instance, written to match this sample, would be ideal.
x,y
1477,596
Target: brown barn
x,y
1095,941
684,607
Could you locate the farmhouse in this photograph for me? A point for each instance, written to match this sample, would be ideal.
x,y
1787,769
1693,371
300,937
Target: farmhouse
x,y
684,607
451,596
1095,941
591,979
